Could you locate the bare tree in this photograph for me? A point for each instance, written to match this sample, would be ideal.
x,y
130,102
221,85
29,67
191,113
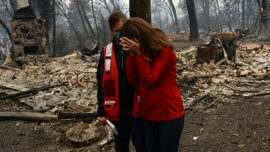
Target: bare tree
x,y
115,5
156,12
194,34
217,12
106,5
140,8
167,8
62,10
206,14
175,16
54,27
8,6
82,18
87,20
256,17
265,15
243,13
95,19
6,28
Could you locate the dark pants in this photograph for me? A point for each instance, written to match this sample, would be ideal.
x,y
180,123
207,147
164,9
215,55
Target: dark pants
x,y
163,136
126,126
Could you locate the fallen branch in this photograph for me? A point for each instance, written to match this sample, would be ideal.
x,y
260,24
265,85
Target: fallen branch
x,y
221,61
256,94
28,116
28,92
46,117
211,104
9,68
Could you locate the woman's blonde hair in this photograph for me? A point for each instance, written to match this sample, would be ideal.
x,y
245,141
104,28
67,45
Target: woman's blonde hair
x,y
151,39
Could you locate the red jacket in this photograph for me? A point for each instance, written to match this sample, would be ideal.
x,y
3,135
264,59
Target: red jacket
x,y
160,96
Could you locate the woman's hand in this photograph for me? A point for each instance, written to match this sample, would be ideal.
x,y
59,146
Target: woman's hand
x,y
133,46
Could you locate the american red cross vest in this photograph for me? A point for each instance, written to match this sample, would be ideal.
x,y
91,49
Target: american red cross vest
x,y
111,88
110,84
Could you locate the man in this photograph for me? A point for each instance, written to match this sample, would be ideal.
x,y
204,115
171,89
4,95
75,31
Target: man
x,y
115,93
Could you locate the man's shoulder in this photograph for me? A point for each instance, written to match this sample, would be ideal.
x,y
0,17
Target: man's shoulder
x,y
111,43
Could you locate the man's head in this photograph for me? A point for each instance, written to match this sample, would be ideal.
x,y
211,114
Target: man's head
x,y
116,21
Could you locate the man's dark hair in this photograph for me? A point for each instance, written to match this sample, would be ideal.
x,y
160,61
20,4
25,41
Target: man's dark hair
x,y
115,18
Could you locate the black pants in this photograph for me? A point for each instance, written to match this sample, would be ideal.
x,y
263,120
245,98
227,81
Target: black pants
x,y
126,126
163,136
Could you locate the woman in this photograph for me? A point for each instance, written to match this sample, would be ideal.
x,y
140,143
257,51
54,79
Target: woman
x,y
151,67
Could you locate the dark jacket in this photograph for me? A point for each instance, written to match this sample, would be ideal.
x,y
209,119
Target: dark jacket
x,y
126,90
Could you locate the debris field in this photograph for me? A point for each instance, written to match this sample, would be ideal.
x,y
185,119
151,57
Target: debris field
x,y
68,84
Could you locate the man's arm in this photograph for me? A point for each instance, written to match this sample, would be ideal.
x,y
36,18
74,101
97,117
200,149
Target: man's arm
x,y
100,93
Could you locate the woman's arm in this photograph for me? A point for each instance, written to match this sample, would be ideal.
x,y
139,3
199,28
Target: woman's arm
x,y
161,65
131,70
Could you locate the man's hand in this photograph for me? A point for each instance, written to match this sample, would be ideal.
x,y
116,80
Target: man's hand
x,y
130,45
102,120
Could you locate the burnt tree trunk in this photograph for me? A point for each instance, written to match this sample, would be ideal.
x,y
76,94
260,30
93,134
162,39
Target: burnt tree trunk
x,y
175,16
206,7
194,34
140,8
255,19
87,20
248,14
82,19
265,17
6,29
95,19
54,27
9,35
217,11
243,13
69,21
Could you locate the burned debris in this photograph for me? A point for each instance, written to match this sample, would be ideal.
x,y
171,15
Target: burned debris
x,y
52,85
204,80
222,45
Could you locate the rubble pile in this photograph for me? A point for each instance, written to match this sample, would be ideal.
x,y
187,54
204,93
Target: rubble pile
x,y
76,78
68,85
205,83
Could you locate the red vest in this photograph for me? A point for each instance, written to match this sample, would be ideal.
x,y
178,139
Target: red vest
x,y
110,84
111,88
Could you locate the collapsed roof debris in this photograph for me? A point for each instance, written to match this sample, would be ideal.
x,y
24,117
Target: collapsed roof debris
x,y
54,84
205,83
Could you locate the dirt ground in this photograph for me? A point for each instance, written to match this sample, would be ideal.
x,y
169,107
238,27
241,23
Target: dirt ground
x,y
237,125
231,125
